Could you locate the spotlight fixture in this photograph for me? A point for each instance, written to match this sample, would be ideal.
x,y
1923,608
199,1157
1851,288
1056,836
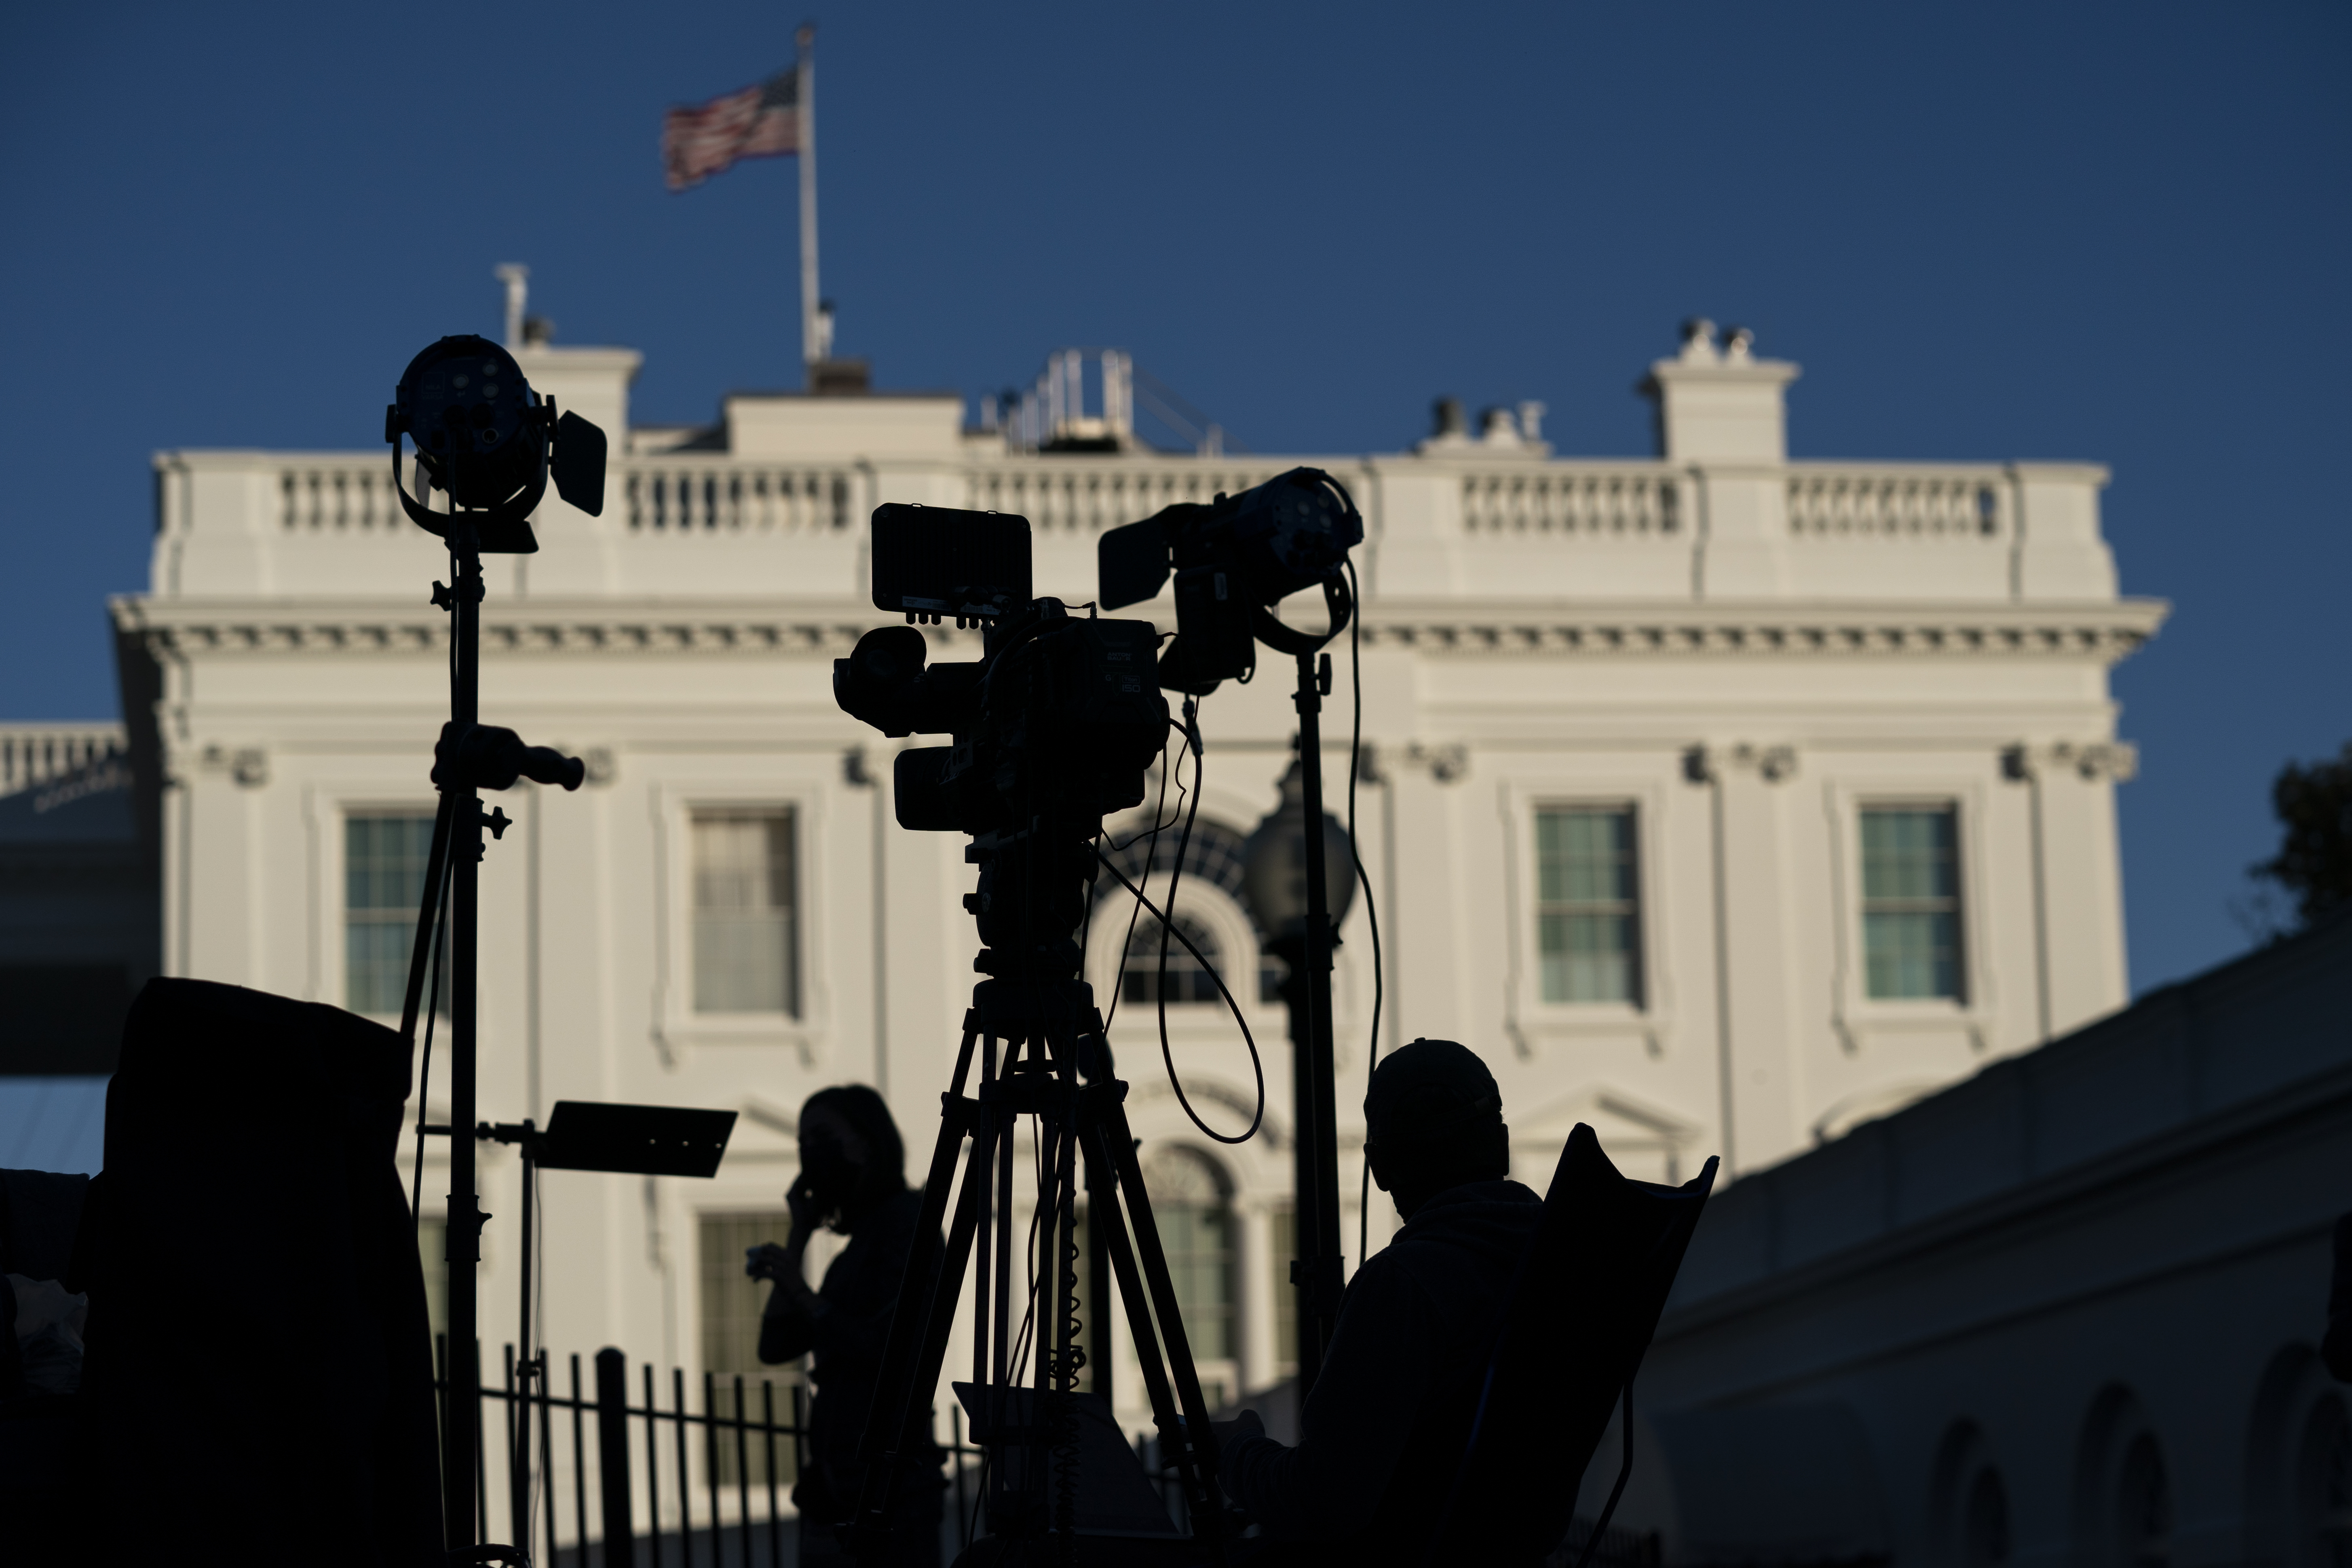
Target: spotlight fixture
x,y
491,444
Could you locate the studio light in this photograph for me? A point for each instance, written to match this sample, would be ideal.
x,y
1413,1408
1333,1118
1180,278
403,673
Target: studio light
x,y
488,442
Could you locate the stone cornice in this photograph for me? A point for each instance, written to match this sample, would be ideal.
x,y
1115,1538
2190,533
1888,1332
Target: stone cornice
x,y
2106,632
2102,632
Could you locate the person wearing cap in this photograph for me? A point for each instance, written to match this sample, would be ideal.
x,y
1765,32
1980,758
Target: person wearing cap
x,y
1389,1413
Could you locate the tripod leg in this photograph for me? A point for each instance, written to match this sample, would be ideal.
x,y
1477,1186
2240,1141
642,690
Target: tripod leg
x,y
1062,1285
428,912
1098,1336
902,1394
985,1132
923,1259
1188,1438
1112,1134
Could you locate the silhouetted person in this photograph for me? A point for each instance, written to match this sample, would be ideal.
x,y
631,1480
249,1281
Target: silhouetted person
x,y
853,1180
1389,1413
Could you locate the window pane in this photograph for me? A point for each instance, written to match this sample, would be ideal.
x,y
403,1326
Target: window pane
x,y
1910,902
732,1303
1588,942
746,957
1187,980
1195,1219
1910,853
385,860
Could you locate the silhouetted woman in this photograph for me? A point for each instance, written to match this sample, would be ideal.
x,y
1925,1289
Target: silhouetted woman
x,y
853,1180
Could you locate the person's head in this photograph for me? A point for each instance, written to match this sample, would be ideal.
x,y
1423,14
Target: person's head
x,y
850,1154
1433,1120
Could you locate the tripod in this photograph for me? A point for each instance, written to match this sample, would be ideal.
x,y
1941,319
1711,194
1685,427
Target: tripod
x,y
1040,1054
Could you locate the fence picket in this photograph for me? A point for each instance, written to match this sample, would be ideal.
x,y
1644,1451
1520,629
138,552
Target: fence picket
x,y
618,1539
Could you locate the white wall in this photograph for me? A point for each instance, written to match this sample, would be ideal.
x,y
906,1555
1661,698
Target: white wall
x,y
1535,630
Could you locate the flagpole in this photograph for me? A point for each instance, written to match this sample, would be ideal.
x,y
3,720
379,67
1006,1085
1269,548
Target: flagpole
x,y
811,350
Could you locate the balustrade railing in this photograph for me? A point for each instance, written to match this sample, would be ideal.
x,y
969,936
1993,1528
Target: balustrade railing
x,y
1844,501
662,495
1602,502
720,495
33,754
339,496
1077,495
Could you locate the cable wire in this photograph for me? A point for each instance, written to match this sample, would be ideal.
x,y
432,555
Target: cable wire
x,y
1372,906
1257,1068
1150,853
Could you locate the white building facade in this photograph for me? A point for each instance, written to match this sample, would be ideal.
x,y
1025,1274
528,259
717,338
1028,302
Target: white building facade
x,y
1720,800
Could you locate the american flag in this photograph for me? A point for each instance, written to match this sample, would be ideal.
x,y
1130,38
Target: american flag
x,y
760,121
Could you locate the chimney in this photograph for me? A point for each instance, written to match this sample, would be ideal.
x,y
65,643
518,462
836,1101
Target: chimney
x,y
517,278
1719,405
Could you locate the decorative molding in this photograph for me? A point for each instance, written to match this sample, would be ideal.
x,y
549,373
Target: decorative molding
x,y
2103,632
1447,762
2106,633
2115,761
1707,764
249,765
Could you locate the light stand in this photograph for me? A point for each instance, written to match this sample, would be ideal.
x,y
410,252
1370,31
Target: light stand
x,y
488,442
629,1140
1232,560
1292,896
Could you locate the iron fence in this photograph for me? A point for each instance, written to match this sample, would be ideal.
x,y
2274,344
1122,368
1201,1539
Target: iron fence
x,y
620,1480
715,1486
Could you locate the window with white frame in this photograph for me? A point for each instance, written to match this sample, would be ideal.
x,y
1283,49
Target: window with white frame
x,y
745,912
1588,904
385,858
1188,979
1191,1204
1214,857
732,1306
1911,902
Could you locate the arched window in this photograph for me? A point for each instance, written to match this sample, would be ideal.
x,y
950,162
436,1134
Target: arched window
x,y
1191,1201
1214,857
1984,1521
1188,981
2123,1493
2324,1487
1969,1506
2143,1506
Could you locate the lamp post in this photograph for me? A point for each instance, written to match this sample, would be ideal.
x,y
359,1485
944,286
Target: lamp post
x,y
1277,866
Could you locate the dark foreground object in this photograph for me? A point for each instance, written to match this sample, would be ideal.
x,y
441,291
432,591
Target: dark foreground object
x,y
1595,1281
259,1378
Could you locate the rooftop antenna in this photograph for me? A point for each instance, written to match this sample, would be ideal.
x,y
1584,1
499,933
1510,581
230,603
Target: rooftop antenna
x,y
517,278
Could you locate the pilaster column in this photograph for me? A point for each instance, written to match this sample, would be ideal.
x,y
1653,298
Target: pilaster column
x,y
1755,1069
2078,946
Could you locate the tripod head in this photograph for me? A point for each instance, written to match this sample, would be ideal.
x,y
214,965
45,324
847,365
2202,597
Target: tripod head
x,y
1051,729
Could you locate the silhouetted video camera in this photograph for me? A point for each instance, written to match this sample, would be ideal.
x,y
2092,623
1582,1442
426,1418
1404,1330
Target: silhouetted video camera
x,y
1234,560
1052,726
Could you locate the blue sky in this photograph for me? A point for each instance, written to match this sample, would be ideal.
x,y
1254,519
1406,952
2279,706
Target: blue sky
x,y
2106,232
